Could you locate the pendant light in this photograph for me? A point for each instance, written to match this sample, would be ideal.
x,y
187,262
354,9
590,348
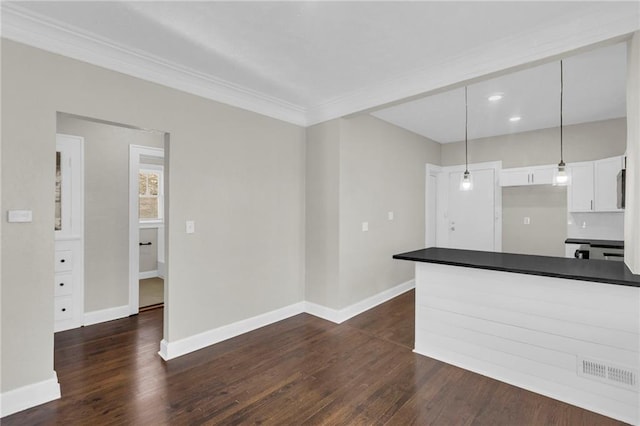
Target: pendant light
x,y
466,184
560,177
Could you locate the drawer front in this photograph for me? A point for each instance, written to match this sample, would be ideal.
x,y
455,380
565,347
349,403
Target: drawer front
x,y
63,284
64,260
63,308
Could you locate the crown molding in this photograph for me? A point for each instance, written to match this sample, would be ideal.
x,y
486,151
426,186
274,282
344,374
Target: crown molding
x,y
24,26
599,24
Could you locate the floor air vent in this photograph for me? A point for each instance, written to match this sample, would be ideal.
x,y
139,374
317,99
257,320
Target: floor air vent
x,y
607,373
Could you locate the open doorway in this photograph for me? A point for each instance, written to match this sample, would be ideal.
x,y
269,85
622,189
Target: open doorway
x,y
108,293
146,186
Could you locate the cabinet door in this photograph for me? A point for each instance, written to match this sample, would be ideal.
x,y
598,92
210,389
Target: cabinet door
x,y
581,188
606,186
542,175
515,177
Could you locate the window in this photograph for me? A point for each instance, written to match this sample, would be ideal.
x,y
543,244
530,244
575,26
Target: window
x,y
150,194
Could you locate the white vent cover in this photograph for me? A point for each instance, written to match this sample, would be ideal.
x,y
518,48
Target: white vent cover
x,y
606,372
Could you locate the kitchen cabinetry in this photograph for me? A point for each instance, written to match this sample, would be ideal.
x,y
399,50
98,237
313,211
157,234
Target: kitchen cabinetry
x,y
593,185
524,176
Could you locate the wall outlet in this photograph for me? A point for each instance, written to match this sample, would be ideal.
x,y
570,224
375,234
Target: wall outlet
x,y
527,220
390,215
365,226
191,227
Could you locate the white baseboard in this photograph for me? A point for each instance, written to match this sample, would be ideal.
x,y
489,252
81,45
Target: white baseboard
x,y
171,350
341,315
148,274
105,315
29,396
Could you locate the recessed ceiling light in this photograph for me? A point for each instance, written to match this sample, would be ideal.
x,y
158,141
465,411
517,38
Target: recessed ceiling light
x,y
495,97
516,118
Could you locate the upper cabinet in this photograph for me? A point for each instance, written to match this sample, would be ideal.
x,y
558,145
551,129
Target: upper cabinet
x,y
523,176
593,186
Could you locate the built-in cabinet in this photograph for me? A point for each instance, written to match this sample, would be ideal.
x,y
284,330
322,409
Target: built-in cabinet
x,y
68,279
524,176
593,186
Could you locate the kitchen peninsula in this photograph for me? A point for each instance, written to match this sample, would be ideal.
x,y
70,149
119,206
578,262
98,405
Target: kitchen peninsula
x,y
565,328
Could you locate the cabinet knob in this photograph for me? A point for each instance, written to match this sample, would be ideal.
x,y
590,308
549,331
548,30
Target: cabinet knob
x,y
61,284
62,260
64,309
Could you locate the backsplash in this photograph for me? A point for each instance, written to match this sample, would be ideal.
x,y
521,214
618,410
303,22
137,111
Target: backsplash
x,y
600,226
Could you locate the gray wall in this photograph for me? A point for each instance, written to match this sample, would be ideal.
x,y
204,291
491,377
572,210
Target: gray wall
x,y
237,174
358,170
106,211
322,214
545,205
582,142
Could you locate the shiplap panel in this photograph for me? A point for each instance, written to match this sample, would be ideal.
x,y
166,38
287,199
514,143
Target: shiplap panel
x,y
563,344
559,309
530,330
606,297
576,330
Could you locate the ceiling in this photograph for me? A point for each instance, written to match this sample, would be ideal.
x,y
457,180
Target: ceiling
x,y
307,62
594,89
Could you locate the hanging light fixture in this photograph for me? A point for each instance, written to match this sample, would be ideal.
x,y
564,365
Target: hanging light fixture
x,y
466,183
560,177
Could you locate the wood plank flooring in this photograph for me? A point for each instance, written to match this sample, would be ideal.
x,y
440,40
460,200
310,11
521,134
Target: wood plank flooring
x,y
302,370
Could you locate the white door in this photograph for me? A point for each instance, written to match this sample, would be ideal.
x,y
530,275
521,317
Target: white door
x,y
68,280
471,213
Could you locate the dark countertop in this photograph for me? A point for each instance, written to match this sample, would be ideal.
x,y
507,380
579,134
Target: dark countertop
x,y
596,243
602,271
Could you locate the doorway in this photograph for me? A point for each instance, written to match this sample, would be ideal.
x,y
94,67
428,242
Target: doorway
x,y
146,228
458,219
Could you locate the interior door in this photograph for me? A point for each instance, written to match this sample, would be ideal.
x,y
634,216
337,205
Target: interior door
x,y
471,214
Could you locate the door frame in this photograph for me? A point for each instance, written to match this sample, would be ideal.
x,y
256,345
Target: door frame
x,y
135,152
442,200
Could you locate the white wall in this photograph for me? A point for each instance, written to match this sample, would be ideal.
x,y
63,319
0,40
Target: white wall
x,y
632,210
238,175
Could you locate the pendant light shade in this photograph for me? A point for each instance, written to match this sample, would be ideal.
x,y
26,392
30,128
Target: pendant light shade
x,y
466,183
560,177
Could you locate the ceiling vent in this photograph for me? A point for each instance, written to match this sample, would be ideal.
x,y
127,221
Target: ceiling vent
x,y
606,372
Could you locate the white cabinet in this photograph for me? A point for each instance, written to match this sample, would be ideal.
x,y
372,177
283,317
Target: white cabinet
x,y
593,185
523,176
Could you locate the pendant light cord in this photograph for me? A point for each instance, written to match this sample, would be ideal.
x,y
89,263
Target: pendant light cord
x,y
561,95
466,120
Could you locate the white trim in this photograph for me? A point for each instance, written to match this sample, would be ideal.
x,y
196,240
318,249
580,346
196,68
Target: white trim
x,y
135,151
105,315
171,350
341,315
29,396
161,269
559,36
148,274
151,224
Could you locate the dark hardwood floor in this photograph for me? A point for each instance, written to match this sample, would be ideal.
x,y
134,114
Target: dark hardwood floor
x,y
302,370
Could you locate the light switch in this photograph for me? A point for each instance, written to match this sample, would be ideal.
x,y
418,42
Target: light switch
x,y
527,220
390,215
19,216
365,226
191,227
